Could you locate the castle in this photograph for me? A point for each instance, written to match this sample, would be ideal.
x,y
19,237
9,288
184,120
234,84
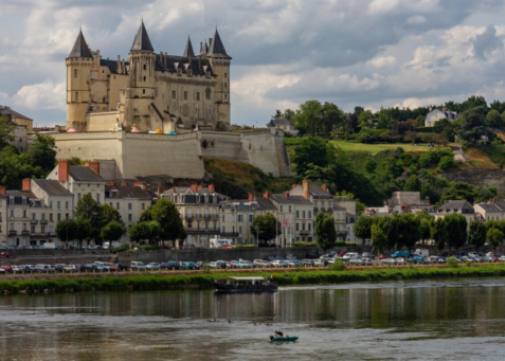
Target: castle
x,y
158,114
150,91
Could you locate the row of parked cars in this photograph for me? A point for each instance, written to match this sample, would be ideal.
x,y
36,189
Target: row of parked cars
x,y
351,258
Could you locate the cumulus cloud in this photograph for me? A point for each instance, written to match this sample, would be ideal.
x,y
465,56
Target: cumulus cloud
x,y
367,52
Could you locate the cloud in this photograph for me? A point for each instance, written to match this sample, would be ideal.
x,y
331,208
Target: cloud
x,y
46,95
367,52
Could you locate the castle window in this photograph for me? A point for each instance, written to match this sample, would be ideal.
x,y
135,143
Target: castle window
x,y
76,96
174,94
185,95
207,93
145,67
144,78
197,96
143,91
76,73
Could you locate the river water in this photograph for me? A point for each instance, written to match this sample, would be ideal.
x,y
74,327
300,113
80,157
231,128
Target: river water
x,y
442,320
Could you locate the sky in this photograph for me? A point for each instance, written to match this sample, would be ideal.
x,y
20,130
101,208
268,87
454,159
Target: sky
x,y
370,53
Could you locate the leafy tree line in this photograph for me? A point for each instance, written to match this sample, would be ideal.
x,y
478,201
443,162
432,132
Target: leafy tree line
x,y
475,123
451,232
372,178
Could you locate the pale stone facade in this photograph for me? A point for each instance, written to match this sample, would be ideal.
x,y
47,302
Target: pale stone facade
x,y
150,91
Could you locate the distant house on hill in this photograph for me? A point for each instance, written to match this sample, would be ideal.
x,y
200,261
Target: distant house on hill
x,y
283,124
437,115
23,126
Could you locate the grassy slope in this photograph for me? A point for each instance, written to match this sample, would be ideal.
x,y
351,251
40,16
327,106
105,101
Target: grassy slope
x,y
205,280
236,178
376,148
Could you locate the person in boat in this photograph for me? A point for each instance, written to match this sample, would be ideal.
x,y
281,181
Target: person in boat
x,y
279,333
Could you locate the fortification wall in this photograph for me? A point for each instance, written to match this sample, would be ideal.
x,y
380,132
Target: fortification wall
x,y
178,156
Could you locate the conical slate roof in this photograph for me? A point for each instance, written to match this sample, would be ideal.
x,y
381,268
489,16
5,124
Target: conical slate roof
x,y
216,46
141,41
188,52
80,48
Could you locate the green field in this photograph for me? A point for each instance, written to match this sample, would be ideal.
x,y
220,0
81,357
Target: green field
x,y
376,148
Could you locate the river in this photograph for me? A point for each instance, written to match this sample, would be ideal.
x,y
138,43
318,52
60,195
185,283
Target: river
x,y
425,320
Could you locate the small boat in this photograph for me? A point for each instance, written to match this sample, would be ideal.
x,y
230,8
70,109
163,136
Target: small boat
x,y
286,338
245,285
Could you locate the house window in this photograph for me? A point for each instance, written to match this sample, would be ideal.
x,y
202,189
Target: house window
x,y
239,218
208,93
130,217
59,217
58,205
145,68
174,94
185,95
143,206
297,227
197,96
66,204
50,217
129,206
33,216
297,213
24,213
117,206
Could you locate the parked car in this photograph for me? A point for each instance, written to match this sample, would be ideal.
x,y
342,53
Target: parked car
x,y
153,266
137,266
261,263
170,265
350,255
4,254
70,268
188,265
401,253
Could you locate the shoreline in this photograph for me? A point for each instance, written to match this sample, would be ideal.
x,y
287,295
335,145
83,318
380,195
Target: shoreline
x,y
75,283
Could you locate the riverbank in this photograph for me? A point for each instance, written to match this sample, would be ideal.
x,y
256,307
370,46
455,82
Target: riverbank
x,y
205,279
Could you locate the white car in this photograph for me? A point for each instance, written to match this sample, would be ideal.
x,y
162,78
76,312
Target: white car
x,y
137,266
350,255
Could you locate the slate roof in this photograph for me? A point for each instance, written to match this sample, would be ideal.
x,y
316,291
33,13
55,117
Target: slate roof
x,y
459,205
83,174
53,187
175,63
490,207
188,51
141,42
282,199
127,191
314,189
80,48
216,46
4,110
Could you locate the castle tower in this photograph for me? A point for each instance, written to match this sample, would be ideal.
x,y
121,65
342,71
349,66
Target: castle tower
x,y
140,93
79,63
220,62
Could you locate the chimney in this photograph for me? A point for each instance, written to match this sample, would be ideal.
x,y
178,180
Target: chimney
x,y
306,188
26,185
3,190
194,188
211,188
94,166
267,195
250,196
63,171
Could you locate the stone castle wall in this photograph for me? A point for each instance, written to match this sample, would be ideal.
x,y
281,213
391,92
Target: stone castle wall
x,y
178,156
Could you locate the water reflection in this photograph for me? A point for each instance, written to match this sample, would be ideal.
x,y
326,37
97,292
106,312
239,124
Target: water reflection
x,y
194,325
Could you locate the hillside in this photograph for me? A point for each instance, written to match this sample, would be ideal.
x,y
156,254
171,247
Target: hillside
x,y
236,179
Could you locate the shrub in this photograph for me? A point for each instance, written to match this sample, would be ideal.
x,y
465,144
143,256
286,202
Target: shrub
x,y
339,265
452,262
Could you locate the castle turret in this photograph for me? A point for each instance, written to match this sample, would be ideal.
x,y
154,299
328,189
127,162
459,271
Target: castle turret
x,y
141,82
188,51
220,62
79,63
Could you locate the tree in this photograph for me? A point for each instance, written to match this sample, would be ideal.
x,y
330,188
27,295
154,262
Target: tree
x,y
42,153
88,210
67,230
477,234
311,151
265,228
6,127
325,230
112,231
451,231
381,232
145,230
494,119
110,214
169,220
363,227
83,230
494,237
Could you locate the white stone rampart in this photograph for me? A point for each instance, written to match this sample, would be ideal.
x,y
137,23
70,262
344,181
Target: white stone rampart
x,y
179,156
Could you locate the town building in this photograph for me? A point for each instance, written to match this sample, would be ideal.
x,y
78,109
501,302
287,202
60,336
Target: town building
x,y
22,128
283,124
456,207
490,211
149,91
130,199
402,202
436,115
199,209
